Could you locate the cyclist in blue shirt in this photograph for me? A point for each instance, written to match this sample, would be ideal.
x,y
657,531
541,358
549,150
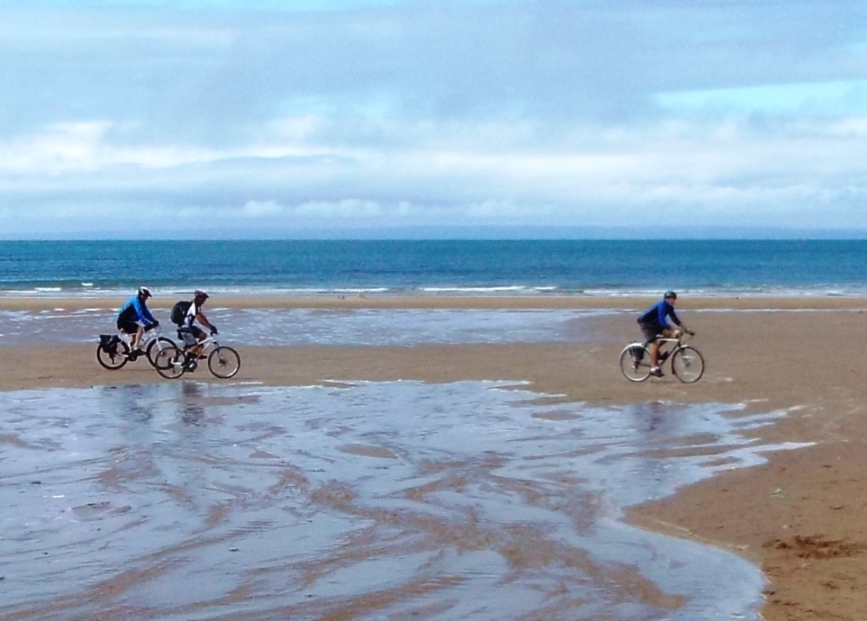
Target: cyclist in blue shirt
x,y
653,323
134,317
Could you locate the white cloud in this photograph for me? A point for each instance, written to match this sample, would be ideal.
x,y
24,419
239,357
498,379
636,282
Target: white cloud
x,y
419,113
262,208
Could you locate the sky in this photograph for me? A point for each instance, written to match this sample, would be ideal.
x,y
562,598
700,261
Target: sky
x,y
366,118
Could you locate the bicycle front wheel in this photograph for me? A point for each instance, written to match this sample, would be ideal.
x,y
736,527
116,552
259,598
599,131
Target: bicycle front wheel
x,y
156,346
169,362
687,364
635,362
224,362
112,358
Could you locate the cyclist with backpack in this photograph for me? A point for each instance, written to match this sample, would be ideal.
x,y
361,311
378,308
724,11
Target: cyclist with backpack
x,y
186,315
134,317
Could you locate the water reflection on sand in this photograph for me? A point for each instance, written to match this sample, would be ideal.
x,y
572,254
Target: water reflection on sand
x,y
395,500
382,327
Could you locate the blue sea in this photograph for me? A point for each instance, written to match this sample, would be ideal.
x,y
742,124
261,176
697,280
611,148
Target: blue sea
x,y
466,267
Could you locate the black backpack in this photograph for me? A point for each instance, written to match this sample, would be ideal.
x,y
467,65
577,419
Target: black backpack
x,y
179,312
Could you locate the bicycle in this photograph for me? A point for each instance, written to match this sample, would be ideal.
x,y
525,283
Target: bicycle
x,y
114,351
686,361
223,361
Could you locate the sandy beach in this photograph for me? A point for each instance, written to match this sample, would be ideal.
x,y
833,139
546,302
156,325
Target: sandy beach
x,y
799,517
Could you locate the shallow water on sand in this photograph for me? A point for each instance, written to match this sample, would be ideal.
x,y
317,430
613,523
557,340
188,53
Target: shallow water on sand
x,y
394,327
368,501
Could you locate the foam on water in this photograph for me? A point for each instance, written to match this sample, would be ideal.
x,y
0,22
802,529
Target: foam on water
x,y
365,501
90,291
432,267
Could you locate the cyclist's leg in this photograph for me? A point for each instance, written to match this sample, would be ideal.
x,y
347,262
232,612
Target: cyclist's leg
x,y
187,338
663,333
129,328
199,335
651,334
137,337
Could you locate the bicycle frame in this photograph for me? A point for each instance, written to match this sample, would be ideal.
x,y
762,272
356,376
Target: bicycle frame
x,y
115,350
685,360
679,341
148,336
207,345
223,362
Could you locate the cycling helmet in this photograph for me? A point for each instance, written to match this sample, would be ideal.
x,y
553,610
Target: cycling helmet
x,y
670,294
144,292
201,294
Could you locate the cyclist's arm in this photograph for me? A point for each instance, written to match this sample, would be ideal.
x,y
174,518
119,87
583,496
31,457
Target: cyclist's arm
x,y
141,312
662,315
200,317
146,315
679,323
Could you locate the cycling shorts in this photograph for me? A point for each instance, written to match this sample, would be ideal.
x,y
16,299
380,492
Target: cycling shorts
x,y
651,331
191,334
127,325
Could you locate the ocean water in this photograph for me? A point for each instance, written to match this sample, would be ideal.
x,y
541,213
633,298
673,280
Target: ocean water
x,y
367,501
595,267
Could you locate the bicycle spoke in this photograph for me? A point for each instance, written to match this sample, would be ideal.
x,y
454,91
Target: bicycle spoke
x,y
169,362
687,364
635,362
112,356
224,362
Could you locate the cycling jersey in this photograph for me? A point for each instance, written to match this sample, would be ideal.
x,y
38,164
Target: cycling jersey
x,y
656,315
192,313
136,310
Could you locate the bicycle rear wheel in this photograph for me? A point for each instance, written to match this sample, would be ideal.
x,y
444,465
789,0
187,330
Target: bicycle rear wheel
x,y
114,357
224,362
156,346
635,362
687,364
169,362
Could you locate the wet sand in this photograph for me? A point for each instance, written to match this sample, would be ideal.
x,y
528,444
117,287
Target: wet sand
x,y
800,517
427,302
361,501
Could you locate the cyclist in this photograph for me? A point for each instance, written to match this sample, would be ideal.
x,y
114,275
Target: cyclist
x,y
653,323
134,317
192,334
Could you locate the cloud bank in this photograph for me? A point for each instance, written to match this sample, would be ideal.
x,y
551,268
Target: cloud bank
x,y
137,119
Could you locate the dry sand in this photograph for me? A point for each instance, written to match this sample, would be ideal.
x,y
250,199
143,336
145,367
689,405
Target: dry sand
x,y
800,517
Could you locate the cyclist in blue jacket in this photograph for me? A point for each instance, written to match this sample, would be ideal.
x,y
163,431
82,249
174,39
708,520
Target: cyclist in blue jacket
x,y
134,317
653,323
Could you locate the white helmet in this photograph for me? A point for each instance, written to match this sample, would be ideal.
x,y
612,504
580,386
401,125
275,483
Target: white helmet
x,y
144,292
